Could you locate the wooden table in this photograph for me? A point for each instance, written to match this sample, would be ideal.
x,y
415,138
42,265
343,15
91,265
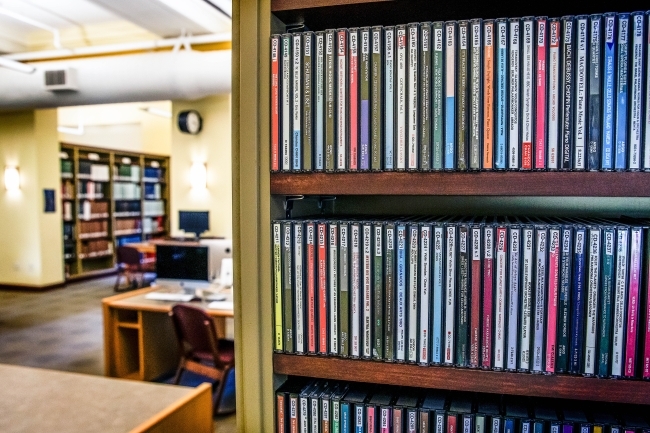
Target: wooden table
x,y
139,340
40,400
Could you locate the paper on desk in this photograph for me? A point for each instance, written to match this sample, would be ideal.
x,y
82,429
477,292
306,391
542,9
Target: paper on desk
x,y
220,305
166,296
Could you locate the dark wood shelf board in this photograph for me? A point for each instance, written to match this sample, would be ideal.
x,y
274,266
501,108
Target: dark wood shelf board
x,y
572,184
287,5
495,382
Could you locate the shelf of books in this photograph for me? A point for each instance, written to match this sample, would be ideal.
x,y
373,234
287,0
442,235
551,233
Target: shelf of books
x,y
383,288
103,197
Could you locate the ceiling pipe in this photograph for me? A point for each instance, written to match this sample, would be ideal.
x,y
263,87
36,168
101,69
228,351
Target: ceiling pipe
x,y
129,78
118,48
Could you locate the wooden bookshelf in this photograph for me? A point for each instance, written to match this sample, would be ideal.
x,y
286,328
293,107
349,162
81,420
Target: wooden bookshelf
x,y
464,379
571,184
259,197
80,258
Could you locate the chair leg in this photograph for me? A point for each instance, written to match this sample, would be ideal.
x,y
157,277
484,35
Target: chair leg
x,y
179,373
216,396
120,274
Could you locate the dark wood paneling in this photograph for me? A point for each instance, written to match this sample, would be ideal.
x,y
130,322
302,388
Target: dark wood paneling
x,y
572,184
495,382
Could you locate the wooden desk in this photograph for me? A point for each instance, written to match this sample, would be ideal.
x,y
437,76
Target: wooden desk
x,y
139,340
149,247
40,400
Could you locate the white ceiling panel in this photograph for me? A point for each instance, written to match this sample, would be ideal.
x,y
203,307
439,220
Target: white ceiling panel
x,y
168,18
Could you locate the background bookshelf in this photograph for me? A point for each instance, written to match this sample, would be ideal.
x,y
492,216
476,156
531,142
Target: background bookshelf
x,y
103,197
260,197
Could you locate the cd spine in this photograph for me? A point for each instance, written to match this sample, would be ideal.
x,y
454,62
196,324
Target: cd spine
x,y
286,97
319,101
376,104
275,103
308,98
344,289
400,98
501,95
425,96
594,114
333,288
488,94
450,95
636,89
364,99
475,95
437,98
330,101
541,96
353,99
341,100
487,297
462,115
389,98
527,91
567,89
296,102
514,88
412,87
609,93
581,79
412,298
621,92
299,290
554,93
500,300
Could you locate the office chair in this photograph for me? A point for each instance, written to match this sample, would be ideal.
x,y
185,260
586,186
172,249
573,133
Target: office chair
x,y
202,352
129,263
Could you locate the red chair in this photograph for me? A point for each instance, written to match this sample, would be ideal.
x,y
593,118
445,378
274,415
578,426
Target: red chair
x,y
129,264
202,352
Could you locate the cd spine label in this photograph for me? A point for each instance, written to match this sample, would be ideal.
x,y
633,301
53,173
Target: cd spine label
x,y
527,92
514,92
581,76
353,110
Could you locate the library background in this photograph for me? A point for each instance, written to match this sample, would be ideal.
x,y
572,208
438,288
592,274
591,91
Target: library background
x,y
115,122
453,231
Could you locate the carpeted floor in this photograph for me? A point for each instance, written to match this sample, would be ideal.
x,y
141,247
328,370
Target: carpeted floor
x,y
61,329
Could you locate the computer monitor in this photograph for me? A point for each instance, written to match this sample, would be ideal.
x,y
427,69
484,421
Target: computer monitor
x,y
220,249
195,222
183,266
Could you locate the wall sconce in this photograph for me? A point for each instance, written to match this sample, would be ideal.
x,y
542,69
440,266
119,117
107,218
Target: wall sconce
x,y
199,175
12,178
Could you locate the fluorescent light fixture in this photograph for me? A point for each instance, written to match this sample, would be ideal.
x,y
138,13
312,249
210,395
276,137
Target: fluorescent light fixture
x,y
16,66
79,130
126,160
12,178
199,175
158,112
33,22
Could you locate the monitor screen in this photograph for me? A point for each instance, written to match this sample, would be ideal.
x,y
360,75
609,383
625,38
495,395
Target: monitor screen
x,y
182,262
195,222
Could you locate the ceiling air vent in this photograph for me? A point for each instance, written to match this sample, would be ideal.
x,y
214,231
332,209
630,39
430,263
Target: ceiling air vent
x,y
61,79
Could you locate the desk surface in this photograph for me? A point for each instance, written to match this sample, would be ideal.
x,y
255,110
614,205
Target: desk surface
x,y
136,300
39,400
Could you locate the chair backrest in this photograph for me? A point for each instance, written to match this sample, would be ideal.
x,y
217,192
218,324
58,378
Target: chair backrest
x,y
128,255
196,332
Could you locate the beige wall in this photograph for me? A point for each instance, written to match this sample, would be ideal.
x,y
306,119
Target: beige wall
x,y
119,127
32,246
211,146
